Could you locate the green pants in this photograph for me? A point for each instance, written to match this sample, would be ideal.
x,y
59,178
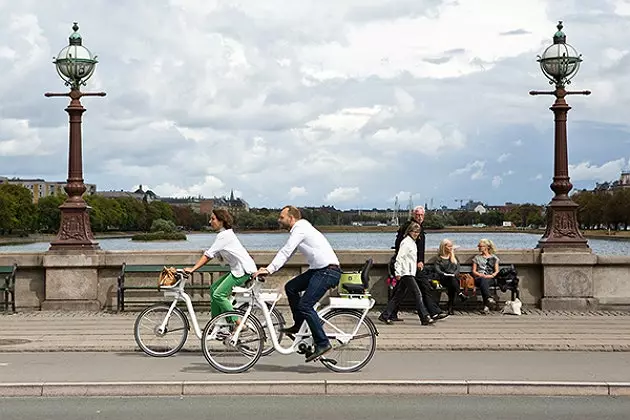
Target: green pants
x,y
221,292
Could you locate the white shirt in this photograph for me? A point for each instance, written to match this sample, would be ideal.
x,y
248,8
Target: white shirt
x,y
310,242
230,250
407,258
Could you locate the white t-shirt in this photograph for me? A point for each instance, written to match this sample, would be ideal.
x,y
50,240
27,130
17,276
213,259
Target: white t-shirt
x,y
310,242
230,250
407,258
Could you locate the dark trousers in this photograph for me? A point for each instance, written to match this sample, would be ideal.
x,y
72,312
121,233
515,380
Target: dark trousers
x,y
314,284
425,290
405,284
451,284
483,285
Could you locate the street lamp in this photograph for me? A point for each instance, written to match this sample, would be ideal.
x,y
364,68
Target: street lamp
x,y
560,63
75,65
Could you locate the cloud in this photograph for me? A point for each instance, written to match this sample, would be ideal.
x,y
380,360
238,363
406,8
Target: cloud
x,y
496,181
384,95
503,157
608,171
343,194
474,168
296,192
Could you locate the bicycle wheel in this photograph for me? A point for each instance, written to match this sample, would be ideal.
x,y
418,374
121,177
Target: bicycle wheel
x,y
156,343
221,353
358,350
278,323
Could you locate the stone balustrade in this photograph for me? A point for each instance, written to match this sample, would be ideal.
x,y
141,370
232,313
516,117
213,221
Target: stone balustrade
x,y
75,281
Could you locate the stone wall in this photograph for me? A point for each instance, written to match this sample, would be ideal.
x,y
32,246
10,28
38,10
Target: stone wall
x,y
54,280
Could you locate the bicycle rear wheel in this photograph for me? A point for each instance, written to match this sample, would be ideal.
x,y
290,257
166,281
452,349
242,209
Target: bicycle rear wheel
x,y
160,343
350,353
228,357
278,323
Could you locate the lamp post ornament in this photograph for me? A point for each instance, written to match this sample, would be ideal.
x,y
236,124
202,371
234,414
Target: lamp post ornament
x,y
75,65
560,63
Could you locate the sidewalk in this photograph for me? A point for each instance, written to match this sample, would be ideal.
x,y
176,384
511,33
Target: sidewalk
x,y
392,372
534,330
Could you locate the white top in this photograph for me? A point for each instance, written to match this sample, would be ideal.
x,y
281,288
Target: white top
x,y
230,250
310,242
407,258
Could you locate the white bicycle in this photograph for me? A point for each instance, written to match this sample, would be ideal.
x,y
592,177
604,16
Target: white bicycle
x,y
161,330
232,342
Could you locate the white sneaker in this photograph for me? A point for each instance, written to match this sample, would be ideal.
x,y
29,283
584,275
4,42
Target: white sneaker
x,y
491,301
486,310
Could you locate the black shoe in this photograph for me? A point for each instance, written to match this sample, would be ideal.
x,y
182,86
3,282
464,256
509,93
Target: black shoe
x,y
290,330
463,297
319,352
396,319
439,316
384,320
451,311
427,321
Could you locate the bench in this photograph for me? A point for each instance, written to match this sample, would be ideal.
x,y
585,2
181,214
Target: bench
x,y
7,286
510,284
126,269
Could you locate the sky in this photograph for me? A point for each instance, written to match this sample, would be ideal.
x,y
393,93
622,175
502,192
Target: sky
x,y
349,103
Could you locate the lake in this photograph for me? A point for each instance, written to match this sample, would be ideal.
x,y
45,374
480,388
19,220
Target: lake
x,y
339,241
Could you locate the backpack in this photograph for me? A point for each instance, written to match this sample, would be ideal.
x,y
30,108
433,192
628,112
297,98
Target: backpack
x,y
467,284
507,279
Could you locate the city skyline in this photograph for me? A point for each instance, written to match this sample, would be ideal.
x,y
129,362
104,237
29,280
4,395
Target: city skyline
x,y
348,103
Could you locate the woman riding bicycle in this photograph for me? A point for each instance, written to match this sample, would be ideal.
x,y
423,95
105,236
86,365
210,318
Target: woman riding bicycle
x,y
227,248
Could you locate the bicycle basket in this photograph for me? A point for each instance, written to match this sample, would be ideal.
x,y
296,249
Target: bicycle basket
x,y
167,277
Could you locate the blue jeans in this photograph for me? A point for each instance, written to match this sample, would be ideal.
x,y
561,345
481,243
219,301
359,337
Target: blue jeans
x,y
314,284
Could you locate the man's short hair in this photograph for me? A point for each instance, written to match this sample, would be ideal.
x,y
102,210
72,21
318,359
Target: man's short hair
x,y
293,211
418,208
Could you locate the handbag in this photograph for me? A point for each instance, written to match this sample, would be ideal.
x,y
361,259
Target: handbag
x,y
467,284
512,307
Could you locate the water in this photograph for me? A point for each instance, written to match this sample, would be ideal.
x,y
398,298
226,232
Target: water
x,y
346,240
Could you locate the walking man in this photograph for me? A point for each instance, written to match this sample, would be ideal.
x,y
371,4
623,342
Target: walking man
x,y
323,273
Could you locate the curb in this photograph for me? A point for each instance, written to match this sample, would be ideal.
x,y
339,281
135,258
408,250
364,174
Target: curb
x,y
320,387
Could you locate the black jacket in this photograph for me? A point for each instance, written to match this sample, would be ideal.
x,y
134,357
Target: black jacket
x,y
420,242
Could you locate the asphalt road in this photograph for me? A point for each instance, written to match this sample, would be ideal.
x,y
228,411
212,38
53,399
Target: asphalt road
x,y
325,408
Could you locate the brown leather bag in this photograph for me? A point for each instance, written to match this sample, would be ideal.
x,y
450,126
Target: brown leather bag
x,y
167,277
467,284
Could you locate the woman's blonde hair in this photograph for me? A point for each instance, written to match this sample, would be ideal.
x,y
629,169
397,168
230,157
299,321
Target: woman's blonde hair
x,y
412,226
442,250
487,242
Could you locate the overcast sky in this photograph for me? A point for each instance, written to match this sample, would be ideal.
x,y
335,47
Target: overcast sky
x,y
338,102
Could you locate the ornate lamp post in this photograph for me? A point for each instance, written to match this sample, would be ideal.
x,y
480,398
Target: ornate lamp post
x,y
75,65
560,63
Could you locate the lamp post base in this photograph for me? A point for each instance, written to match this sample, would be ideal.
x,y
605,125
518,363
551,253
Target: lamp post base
x,y
75,232
562,231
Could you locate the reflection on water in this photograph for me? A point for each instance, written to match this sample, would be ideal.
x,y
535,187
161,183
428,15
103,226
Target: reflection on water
x,y
362,240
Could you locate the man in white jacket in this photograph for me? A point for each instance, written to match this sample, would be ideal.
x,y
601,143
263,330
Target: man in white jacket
x,y
323,274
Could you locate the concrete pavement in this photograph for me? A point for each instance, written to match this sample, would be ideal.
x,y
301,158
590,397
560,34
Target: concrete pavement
x,y
535,330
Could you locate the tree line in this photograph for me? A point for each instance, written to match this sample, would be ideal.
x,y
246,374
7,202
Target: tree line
x,y
18,214
604,208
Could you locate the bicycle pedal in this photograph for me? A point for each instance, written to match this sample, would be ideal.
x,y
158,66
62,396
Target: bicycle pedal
x,y
325,360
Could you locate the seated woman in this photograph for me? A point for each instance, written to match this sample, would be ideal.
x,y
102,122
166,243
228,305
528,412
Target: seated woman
x,y
485,267
227,248
447,268
405,269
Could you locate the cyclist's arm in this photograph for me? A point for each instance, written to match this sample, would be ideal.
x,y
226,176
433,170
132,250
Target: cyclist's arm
x,y
218,244
286,251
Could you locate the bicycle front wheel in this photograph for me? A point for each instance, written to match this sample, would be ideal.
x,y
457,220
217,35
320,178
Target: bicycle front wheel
x,y
350,352
222,352
154,341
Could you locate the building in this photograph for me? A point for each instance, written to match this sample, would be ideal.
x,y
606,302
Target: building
x,y
231,204
42,188
138,194
624,179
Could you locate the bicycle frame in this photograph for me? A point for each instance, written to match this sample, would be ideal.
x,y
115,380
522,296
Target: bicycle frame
x,y
349,302
177,293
